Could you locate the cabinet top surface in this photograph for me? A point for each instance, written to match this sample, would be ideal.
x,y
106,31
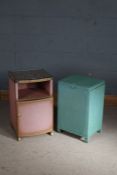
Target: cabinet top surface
x,y
28,75
83,81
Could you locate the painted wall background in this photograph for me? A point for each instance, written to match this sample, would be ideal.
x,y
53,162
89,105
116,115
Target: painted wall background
x,y
62,36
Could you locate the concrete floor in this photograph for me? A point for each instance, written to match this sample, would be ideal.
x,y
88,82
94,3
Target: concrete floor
x,y
60,154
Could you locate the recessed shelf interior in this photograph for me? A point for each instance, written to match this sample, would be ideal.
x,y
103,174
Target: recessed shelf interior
x,y
35,90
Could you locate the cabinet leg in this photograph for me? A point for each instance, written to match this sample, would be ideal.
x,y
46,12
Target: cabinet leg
x,y
51,133
19,138
99,131
58,130
86,140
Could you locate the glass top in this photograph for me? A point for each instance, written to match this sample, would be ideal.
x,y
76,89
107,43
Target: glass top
x,y
28,75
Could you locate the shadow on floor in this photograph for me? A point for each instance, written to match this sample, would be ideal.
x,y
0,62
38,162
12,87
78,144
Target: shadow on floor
x,y
5,127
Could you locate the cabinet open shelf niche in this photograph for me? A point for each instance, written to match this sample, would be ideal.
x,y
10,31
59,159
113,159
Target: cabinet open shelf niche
x,y
35,90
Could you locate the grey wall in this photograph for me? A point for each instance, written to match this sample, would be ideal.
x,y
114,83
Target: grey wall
x,y
62,36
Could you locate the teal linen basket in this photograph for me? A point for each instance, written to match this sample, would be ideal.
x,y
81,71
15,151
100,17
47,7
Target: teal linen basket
x,y
80,105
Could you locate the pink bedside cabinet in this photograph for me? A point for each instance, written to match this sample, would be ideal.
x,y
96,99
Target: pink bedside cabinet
x,y
31,102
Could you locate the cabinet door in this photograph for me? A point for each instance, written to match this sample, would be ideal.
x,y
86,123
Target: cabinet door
x,y
73,110
35,116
